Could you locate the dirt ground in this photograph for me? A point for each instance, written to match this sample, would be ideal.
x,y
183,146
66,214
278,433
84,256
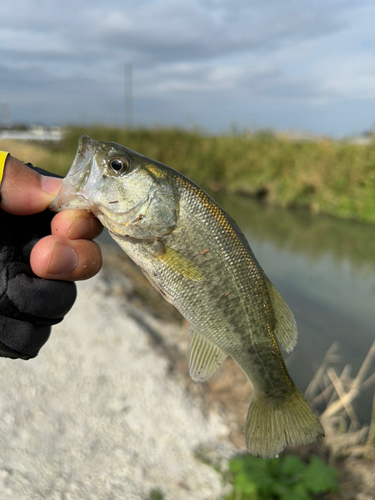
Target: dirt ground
x,y
98,414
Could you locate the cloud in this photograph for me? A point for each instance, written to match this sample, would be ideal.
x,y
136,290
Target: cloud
x,y
160,31
220,56
168,31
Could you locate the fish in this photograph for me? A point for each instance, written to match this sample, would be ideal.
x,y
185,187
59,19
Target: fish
x,y
198,259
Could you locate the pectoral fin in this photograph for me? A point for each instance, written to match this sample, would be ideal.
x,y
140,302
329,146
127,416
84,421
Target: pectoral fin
x,y
180,264
205,357
286,327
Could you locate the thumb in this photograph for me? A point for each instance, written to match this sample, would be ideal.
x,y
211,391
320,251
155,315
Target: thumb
x,y
23,191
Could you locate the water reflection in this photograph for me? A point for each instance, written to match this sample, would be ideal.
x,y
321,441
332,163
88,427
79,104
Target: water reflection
x,y
301,231
325,269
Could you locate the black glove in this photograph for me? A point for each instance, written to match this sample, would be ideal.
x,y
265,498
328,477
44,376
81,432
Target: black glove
x,y
29,305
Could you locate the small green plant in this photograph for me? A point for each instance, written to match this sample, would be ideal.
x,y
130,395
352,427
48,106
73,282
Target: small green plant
x,y
155,494
287,478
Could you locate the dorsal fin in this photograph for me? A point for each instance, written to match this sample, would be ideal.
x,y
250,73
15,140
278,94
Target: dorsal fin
x,y
205,357
286,327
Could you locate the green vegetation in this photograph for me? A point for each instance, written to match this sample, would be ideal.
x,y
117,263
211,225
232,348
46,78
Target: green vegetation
x,y
325,176
155,494
287,478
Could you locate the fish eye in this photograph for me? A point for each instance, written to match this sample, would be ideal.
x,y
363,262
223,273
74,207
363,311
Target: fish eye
x,y
119,165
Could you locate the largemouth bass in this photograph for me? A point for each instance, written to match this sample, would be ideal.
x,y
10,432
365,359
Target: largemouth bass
x,y
195,255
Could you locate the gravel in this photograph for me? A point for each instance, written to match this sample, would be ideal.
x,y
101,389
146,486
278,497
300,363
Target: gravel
x,y
98,415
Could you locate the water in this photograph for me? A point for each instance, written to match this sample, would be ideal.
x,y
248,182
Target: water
x,y
325,270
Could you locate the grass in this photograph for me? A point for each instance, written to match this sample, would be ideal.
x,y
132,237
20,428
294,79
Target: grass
x,y
326,176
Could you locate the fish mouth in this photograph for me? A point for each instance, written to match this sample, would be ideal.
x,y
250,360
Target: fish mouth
x,y
70,194
66,200
80,169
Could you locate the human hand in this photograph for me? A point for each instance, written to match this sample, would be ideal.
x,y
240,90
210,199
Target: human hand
x,y
68,253
29,304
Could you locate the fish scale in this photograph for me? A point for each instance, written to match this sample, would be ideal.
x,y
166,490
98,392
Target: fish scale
x,y
194,254
239,264
241,270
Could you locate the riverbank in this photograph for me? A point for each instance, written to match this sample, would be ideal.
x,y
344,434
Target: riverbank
x,y
322,175
108,410
228,391
101,412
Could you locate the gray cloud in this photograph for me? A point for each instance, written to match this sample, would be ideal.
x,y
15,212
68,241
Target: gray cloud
x,y
173,32
192,59
164,31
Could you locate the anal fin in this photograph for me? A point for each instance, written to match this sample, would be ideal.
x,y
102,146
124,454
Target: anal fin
x,y
205,357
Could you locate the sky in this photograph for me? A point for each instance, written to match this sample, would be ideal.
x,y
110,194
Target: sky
x,y
218,65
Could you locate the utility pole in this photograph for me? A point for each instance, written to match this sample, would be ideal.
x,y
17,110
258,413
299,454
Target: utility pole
x,y
129,95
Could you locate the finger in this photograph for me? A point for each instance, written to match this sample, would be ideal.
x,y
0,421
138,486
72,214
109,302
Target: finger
x,y
76,224
24,191
58,258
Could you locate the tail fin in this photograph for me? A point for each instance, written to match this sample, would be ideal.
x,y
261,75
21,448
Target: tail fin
x,y
271,426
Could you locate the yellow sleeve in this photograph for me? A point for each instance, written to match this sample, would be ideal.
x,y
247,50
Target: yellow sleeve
x,y
3,157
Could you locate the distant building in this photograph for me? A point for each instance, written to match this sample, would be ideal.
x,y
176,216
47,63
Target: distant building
x,y
34,133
